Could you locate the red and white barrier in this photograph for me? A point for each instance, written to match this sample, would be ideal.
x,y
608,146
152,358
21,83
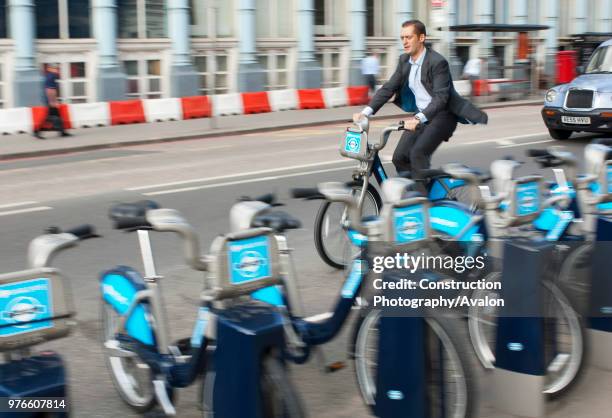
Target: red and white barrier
x,y
24,119
335,97
159,110
283,99
227,104
89,115
16,120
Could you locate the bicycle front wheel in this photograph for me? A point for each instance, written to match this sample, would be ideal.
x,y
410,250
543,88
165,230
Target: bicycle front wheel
x,y
279,397
446,356
330,235
132,378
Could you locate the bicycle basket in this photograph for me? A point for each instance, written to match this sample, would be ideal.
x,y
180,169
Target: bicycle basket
x,y
242,263
354,145
35,306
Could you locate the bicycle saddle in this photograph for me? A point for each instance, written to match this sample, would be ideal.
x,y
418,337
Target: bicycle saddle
x,y
278,220
131,216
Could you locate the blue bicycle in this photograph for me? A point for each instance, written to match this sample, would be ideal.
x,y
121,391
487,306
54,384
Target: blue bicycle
x,y
333,246
35,307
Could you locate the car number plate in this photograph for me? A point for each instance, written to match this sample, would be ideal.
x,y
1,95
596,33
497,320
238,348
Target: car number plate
x,y
576,120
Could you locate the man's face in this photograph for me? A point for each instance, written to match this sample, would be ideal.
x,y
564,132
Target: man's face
x,y
412,42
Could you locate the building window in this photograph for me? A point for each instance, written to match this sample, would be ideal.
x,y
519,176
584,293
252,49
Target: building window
x,y
73,82
274,18
275,63
62,19
379,18
141,18
329,17
213,70
143,78
222,26
3,20
329,59
500,11
465,12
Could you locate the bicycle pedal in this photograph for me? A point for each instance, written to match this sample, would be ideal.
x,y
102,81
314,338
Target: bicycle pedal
x,y
335,366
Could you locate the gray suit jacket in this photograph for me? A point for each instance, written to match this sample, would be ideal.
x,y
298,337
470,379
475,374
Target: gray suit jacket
x,y
436,78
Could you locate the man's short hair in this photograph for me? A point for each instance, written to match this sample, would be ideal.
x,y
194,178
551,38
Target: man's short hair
x,y
419,27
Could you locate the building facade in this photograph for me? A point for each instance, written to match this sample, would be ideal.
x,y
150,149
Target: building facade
x,y
117,49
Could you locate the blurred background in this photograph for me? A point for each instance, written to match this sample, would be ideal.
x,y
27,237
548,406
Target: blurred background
x,y
121,49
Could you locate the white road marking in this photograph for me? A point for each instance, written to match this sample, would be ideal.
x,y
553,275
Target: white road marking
x,y
526,143
232,183
18,211
501,140
251,173
12,205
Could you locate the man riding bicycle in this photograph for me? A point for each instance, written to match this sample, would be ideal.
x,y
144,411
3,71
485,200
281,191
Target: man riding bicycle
x,y
422,85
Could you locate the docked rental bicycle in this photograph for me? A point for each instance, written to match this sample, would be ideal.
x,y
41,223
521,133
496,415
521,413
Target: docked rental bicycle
x,y
36,306
237,344
330,224
407,365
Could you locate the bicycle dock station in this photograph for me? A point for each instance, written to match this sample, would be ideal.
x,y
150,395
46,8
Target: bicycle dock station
x,y
520,361
600,315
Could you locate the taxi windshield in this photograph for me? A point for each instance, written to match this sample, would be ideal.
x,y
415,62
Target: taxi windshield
x,y
601,61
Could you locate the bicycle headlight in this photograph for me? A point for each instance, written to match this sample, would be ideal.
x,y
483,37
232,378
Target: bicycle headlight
x,y
551,95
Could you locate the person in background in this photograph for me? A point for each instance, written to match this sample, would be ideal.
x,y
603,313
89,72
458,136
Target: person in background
x,y
50,98
369,68
471,71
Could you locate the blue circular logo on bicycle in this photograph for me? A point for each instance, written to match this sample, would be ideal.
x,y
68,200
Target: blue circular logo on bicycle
x,y
410,227
250,264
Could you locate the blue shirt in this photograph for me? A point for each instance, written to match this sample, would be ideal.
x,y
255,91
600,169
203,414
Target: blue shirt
x,y
414,82
50,83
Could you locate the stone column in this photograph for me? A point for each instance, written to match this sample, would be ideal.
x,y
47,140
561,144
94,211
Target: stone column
x,y
405,11
490,69
111,81
358,41
309,72
184,80
27,84
251,76
454,62
552,35
580,21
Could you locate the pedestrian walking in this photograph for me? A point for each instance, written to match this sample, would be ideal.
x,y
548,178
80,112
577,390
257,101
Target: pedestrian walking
x,y
50,97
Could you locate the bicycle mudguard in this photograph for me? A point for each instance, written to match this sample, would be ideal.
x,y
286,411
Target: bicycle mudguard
x,y
452,218
119,286
439,187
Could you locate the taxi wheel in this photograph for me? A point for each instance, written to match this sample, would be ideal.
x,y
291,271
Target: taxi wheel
x,y
559,133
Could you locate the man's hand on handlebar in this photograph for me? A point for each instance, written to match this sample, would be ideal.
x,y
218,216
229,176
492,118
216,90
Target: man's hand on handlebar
x,y
357,117
411,124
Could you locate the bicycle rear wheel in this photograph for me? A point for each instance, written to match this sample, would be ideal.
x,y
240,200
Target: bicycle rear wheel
x,y
564,351
331,241
447,357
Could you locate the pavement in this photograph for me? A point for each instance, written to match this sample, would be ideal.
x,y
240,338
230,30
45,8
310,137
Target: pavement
x,y
87,139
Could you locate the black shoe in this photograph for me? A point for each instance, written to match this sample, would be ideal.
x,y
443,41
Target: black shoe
x,y
38,135
64,134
